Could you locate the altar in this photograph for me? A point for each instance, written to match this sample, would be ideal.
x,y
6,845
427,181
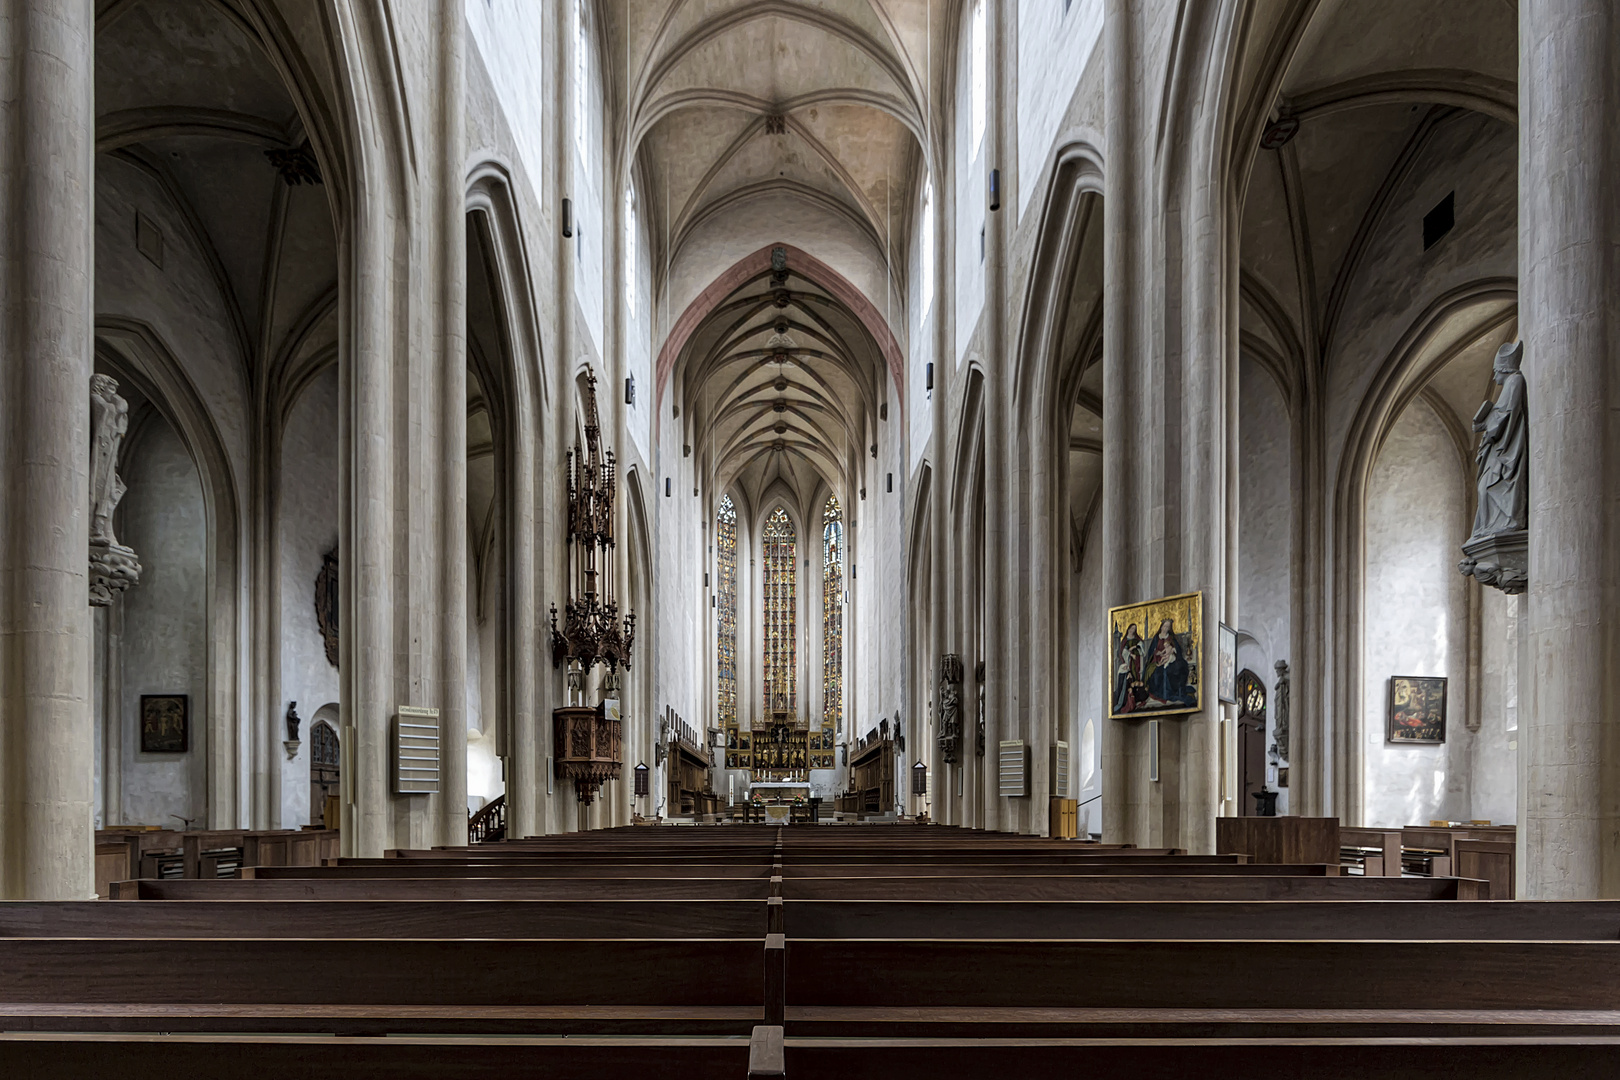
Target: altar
x,y
776,798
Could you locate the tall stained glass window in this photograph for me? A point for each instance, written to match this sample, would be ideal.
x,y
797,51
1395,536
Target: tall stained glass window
x,y
832,615
725,551
780,600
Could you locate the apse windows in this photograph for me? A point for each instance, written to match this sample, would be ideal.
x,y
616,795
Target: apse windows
x,y
725,551
978,91
832,616
781,600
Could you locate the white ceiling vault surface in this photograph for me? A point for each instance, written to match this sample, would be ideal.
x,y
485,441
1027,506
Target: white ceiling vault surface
x,y
755,123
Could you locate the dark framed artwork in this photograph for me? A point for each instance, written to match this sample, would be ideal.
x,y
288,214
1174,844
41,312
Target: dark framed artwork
x,y
165,723
1228,665
1156,657
1417,710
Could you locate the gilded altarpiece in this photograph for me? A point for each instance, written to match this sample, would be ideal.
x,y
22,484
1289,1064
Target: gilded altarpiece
x,y
781,752
823,742
738,754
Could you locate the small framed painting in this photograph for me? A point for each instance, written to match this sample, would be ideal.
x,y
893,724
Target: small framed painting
x,y
1228,665
165,723
1417,710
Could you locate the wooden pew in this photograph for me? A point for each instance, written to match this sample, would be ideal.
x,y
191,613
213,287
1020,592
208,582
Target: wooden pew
x,y
448,889
1493,861
1376,852
1580,920
1148,1058
1205,988
387,919
146,1056
618,986
1121,887
1280,839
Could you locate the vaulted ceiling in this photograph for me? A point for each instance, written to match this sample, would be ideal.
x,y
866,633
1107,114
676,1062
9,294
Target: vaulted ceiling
x,y
732,101
189,104
1370,132
781,121
783,383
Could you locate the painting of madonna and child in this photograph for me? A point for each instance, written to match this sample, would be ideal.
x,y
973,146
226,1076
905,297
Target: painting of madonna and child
x,y
1156,656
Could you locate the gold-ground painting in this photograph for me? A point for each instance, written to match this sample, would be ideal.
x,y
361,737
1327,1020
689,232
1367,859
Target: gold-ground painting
x,y
1156,657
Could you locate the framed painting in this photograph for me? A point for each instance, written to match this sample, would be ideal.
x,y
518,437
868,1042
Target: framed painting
x,y
1228,665
165,723
1155,657
1417,710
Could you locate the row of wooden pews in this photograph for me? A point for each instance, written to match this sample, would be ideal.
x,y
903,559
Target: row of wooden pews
x,y
808,951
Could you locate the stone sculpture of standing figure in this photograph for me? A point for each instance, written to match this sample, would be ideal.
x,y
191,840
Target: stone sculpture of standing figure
x,y
113,567
1504,448
1279,711
1497,552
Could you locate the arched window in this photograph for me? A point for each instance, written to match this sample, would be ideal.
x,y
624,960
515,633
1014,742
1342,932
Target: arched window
x,y
978,89
925,258
832,615
632,275
582,80
725,551
780,611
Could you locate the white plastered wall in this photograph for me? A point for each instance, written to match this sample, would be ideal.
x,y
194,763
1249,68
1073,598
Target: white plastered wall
x,y
309,529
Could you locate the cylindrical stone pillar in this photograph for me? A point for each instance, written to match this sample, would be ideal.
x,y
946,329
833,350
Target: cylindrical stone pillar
x,y
1569,267
46,198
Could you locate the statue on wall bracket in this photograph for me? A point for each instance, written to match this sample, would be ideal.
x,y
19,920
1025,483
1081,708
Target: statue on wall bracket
x,y
1497,553
113,567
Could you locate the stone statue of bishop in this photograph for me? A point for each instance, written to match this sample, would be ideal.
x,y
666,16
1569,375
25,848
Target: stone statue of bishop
x,y
1497,553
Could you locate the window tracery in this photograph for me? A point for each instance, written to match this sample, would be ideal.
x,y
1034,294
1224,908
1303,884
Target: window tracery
x,y
725,551
781,579
832,615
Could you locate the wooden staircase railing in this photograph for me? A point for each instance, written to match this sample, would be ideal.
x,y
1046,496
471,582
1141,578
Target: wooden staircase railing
x,y
489,824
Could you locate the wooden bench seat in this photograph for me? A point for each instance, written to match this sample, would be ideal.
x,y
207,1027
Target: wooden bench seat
x,y
1131,887
450,888
1202,974
387,918
427,869
1413,1058
575,985
139,1056
1576,920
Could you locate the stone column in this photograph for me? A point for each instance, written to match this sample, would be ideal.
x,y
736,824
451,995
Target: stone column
x,y
1002,689
1569,266
403,480
1124,743
452,463
47,197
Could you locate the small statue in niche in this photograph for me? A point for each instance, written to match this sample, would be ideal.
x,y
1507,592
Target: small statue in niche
x,y
113,567
293,720
1279,710
1497,552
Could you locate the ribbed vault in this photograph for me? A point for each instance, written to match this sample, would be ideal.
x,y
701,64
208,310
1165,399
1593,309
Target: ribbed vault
x,y
783,382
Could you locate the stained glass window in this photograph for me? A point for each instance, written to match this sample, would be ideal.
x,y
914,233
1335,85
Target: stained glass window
x,y
780,601
725,549
832,614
